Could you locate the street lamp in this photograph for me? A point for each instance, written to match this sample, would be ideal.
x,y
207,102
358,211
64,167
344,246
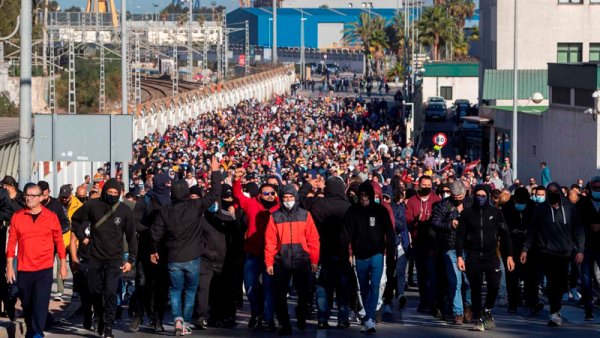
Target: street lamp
x,y
155,11
270,24
302,60
515,98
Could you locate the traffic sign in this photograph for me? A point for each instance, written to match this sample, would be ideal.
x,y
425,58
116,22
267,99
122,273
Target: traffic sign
x,y
440,139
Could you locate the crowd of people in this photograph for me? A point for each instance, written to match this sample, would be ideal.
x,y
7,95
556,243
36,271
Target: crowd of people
x,y
319,198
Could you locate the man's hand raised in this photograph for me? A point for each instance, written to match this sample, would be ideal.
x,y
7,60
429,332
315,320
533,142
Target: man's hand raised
x,y
214,164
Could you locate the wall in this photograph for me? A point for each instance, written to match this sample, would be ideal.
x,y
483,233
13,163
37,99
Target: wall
x,y
564,137
39,89
462,87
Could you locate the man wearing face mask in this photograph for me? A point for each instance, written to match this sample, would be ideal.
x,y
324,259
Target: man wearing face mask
x,y
419,210
477,238
369,232
555,231
538,195
258,211
109,220
518,213
445,221
291,252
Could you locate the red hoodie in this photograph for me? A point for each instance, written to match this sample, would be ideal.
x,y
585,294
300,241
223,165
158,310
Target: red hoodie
x,y
419,212
258,218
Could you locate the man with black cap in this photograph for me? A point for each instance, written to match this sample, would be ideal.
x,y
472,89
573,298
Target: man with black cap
x,y
179,228
556,230
479,227
151,281
369,232
55,206
16,196
109,220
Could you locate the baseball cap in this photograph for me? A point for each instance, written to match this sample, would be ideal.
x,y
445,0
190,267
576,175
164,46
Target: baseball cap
x,y
9,180
65,191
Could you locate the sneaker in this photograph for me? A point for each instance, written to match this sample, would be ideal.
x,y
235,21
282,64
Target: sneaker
x,y
87,321
179,327
269,326
186,330
468,313
565,297
134,326
555,319
58,297
108,333
537,308
401,302
369,326
253,322
458,320
201,324
589,317
479,326
488,320
575,295
387,309
322,326
158,326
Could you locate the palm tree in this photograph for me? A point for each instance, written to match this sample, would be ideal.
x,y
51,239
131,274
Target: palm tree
x,y
360,31
435,27
462,10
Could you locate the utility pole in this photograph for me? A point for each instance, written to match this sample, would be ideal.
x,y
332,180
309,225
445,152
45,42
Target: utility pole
x,y
175,73
204,47
137,75
190,52
515,114
72,88
52,86
274,32
225,47
302,60
124,104
247,51
25,140
45,40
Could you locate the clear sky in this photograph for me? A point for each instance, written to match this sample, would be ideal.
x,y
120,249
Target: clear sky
x,y
146,5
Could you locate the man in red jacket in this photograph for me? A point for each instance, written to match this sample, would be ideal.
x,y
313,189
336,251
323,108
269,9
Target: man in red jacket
x,y
36,231
291,250
419,210
258,211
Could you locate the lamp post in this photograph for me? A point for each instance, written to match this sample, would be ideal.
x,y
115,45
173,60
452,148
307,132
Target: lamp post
x,y
274,32
155,11
515,99
302,60
270,24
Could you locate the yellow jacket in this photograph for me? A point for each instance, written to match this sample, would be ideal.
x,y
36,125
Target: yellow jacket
x,y
73,206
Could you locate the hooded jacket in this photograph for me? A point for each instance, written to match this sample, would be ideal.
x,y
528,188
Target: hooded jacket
x,y
368,229
217,235
179,225
147,209
555,231
106,240
444,213
328,213
258,218
418,218
478,230
291,237
589,215
519,221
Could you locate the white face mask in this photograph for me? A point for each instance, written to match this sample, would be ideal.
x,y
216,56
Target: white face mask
x,y
446,195
289,204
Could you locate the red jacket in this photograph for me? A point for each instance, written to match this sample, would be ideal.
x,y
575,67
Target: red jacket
x,y
258,218
418,214
291,239
36,240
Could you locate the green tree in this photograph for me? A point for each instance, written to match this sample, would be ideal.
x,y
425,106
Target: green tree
x,y
73,9
461,10
378,42
7,108
360,32
435,27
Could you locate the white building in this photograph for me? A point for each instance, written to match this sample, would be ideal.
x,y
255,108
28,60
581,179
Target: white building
x,y
451,81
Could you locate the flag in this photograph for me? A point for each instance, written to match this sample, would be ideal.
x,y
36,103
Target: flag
x,y
471,166
360,136
199,143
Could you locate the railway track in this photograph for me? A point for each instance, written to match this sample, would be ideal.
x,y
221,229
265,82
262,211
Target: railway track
x,y
160,88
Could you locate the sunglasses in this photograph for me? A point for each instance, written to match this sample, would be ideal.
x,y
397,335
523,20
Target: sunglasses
x,y
267,193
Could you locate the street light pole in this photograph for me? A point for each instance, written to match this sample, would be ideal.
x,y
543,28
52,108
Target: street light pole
x,y
124,104
274,32
25,138
514,148
302,61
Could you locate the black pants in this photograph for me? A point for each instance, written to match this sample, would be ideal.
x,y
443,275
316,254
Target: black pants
x,y
301,278
81,277
556,269
34,288
533,271
476,269
210,295
512,283
151,288
103,282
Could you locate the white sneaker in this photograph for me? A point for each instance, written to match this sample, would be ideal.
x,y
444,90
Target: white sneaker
x,y
555,319
369,326
575,295
387,309
566,297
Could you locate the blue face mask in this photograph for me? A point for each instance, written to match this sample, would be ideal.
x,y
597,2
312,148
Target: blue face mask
x,y
539,199
520,206
596,195
377,200
481,200
214,208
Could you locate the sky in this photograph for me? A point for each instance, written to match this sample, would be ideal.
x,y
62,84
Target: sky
x,y
145,6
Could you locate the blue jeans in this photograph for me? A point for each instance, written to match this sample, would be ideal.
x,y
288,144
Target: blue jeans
x,y
184,279
455,281
259,295
369,272
587,277
333,275
401,263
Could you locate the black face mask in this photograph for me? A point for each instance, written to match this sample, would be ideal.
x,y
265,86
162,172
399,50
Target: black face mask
x,y
267,204
456,202
82,199
226,204
553,197
424,191
112,200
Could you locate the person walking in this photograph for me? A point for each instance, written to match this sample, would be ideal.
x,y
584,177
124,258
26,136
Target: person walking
x,y
555,231
36,232
291,253
477,235
109,221
179,227
546,178
370,234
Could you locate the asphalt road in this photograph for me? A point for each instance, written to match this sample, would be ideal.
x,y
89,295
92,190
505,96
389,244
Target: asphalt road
x,y
405,323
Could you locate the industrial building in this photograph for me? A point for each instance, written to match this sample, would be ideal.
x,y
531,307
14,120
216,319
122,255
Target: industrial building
x,y
323,27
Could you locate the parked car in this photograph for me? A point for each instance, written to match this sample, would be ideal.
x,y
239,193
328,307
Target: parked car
x,y
461,108
435,110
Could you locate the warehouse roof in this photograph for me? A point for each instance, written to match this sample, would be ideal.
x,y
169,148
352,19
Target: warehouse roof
x,y
498,83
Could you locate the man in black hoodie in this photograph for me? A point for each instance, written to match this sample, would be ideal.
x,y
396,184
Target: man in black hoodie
x,y
152,280
477,237
556,230
334,274
179,227
370,234
110,220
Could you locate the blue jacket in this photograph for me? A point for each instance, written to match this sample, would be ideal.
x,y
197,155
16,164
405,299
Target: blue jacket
x,y
401,227
546,178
